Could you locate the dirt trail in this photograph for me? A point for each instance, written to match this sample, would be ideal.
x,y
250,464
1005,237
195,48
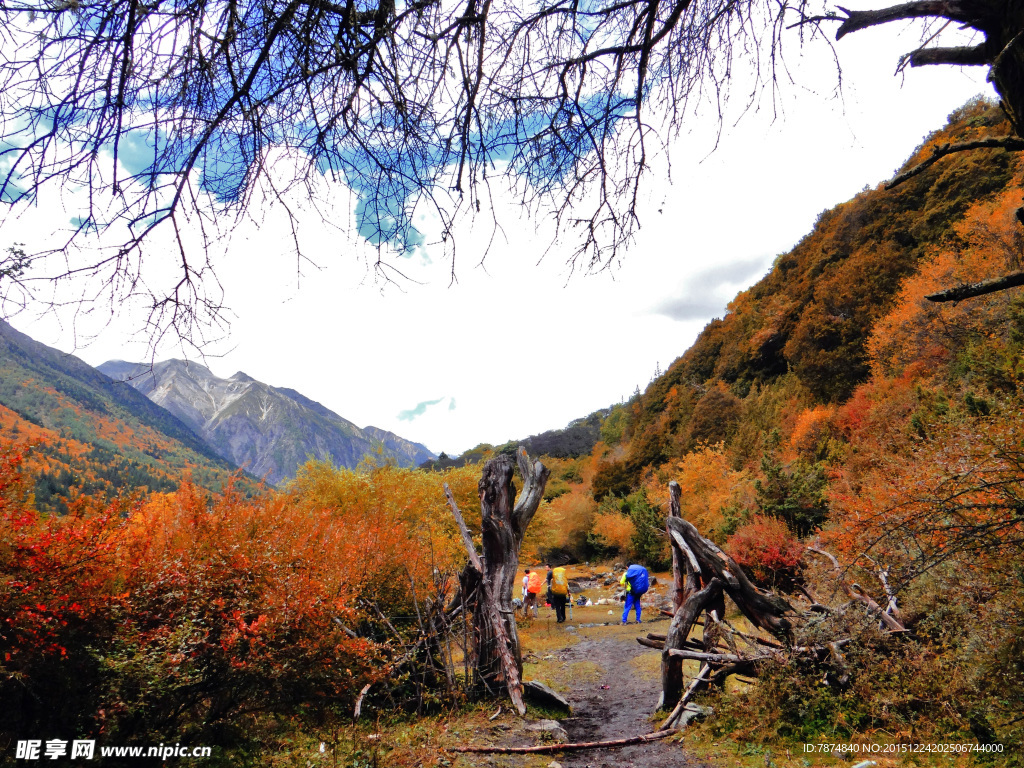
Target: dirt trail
x,y
622,709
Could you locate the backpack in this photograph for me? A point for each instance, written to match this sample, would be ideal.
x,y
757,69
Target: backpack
x,y
559,585
639,583
535,582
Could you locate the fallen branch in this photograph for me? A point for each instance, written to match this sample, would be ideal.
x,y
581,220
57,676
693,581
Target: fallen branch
x,y
659,644
752,638
678,634
467,538
714,658
660,734
685,698
359,702
891,624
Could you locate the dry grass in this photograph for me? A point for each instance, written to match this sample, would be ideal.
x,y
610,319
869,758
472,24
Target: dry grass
x,y
647,666
560,676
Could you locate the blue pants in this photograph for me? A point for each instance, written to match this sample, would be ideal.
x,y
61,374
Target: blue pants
x,y
634,601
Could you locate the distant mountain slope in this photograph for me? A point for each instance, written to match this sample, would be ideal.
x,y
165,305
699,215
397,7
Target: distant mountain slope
x,y
96,435
801,332
270,431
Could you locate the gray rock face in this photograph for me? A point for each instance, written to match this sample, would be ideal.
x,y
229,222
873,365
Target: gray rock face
x,y
551,727
541,694
269,431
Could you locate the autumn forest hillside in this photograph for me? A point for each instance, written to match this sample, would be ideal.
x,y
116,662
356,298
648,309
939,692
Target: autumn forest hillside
x,y
89,435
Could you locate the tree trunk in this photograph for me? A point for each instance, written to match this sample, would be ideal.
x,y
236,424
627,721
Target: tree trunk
x,y
684,581
764,609
1007,73
497,662
678,632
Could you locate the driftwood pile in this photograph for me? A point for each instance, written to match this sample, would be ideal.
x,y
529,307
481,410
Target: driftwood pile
x,y
703,576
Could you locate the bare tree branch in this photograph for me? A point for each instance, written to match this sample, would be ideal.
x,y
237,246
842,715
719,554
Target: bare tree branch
x,y
963,56
1009,143
946,9
970,290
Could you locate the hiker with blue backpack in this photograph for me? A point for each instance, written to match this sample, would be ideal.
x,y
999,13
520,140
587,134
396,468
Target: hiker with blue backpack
x,y
636,582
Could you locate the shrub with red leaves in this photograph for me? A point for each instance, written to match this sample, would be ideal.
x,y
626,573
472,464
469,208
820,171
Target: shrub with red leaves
x,y
767,551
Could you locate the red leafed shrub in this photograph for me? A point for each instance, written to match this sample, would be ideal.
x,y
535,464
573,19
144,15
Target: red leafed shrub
x,y
767,551
184,615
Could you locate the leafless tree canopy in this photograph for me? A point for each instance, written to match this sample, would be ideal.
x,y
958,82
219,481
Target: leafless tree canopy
x,y
169,115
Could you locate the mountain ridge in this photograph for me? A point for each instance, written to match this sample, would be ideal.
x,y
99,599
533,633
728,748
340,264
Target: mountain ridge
x,y
86,434
269,430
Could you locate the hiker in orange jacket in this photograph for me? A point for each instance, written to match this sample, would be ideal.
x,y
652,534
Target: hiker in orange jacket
x,y
533,587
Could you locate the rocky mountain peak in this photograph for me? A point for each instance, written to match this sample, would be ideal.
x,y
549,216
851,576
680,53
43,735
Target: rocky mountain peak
x,y
269,431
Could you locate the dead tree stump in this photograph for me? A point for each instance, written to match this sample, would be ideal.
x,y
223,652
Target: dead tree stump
x,y
489,579
716,574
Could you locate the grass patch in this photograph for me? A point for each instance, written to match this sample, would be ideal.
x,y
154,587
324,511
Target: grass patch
x,y
647,666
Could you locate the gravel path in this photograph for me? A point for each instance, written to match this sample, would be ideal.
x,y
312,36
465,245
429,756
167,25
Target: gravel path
x,y
621,710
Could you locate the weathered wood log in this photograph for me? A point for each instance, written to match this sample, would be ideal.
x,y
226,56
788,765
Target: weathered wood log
x,y
698,562
713,658
497,661
683,582
763,609
860,596
678,632
701,677
543,748
648,642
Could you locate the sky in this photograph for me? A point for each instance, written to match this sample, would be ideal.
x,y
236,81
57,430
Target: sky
x,y
521,344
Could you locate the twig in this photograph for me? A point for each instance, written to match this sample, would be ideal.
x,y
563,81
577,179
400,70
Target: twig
x,y
660,734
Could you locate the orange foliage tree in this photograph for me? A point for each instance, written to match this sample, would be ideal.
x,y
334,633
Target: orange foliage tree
x,y
716,497
767,550
197,615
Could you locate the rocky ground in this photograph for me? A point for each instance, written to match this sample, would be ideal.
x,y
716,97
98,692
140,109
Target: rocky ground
x,y
617,703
